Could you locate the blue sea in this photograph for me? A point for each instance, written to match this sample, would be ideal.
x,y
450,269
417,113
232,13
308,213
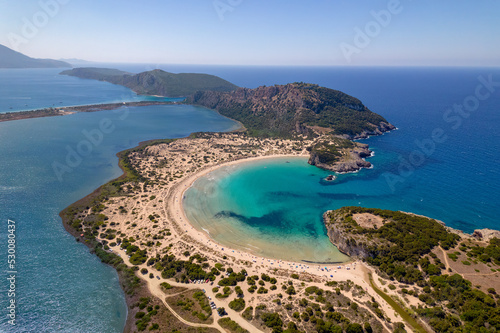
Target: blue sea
x,y
60,287
441,163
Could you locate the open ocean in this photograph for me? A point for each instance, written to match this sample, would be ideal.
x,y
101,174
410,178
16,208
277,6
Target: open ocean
x,y
60,287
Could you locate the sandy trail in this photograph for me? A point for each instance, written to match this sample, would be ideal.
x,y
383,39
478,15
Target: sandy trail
x,y
337,272
168,205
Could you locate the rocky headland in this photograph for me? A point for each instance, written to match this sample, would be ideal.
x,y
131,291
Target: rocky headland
x,y
155,82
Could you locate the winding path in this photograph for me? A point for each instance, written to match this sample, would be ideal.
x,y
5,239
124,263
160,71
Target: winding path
x,y
155,290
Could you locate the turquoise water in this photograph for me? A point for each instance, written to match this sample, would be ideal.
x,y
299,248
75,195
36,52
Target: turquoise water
x,y
63,288
457,182
60,286
264,207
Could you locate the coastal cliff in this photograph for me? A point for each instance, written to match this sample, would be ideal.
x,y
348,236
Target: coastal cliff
x,y
293,109
339,155
343,240
303,110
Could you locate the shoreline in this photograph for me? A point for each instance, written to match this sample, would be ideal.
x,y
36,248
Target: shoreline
x,y
170,199
177,199
67,110
145,289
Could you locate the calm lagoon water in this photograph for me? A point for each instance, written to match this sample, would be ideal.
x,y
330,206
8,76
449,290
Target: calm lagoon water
x,y
63,288
266,206
28,89
60,286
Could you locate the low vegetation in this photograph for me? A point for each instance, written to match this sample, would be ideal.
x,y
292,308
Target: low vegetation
x,y
231,325
193,306
282,114
401,249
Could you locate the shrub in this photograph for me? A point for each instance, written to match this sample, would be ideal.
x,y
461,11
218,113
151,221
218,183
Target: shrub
x,y
237,304
247,314
290,290
231,325
166,285
354,328
262,290
272,320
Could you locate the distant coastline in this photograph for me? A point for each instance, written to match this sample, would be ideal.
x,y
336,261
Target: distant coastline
x,y
66,110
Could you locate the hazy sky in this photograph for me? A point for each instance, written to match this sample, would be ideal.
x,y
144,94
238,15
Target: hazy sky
x,y
257,32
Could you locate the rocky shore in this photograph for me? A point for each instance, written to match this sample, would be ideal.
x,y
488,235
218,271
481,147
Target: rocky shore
x,y
353,160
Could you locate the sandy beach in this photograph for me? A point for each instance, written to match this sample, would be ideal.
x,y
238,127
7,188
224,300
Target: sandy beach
x,y
176,209
150,215
155,215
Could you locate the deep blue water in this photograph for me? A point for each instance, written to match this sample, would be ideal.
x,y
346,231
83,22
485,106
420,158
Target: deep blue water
x,y
457,181
438,163
61,287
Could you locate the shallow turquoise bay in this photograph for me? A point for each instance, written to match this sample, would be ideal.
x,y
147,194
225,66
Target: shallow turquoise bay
x,y
64,288
267,207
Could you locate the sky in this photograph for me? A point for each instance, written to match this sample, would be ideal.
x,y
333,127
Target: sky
x,y
257,32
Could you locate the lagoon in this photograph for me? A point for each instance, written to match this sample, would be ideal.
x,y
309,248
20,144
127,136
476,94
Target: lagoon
x,y
61,287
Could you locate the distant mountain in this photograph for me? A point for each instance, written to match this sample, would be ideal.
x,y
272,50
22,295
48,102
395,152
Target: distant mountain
x,y
74,61
156,82
12,59
295,108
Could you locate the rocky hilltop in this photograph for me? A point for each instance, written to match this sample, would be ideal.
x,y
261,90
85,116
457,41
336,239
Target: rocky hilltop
x,y
155,82
368,233
330,117
295,108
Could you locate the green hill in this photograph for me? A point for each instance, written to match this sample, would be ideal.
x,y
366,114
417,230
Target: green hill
x,y
295,108
12,59
156,82
404,247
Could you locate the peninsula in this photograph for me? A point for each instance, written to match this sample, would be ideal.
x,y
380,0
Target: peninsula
x,y
404,269
329,117
136,223
155,82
